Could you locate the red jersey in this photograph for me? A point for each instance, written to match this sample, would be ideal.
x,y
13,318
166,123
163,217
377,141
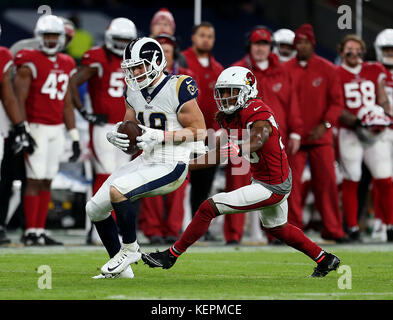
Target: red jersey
x,y
276,89
206,80
5,61
107,86
360,87
269,164
45,101
320,95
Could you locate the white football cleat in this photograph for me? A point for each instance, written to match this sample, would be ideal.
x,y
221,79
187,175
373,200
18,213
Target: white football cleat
x,y
129,253
127,273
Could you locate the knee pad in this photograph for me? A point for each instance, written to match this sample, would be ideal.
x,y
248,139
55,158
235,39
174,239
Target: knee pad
x,y
95,213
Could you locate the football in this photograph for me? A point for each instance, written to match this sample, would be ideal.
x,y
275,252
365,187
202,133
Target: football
x,y
132,130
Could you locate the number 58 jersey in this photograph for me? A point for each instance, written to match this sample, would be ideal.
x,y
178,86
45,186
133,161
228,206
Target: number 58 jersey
x,y
50,79
107,86
360,85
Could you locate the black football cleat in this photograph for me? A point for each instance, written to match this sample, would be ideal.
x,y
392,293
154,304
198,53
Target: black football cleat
x,y
329,263
44,240
160,259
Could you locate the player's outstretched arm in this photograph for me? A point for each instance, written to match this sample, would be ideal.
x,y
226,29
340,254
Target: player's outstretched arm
x,y
259,134
83,74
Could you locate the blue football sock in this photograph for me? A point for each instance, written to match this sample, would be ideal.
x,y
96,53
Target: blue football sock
x,y
107,230
126,218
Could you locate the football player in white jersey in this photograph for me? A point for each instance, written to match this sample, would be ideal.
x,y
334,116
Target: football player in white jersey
x,y
165,108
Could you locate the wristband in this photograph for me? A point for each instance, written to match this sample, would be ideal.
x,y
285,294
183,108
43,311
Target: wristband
x,y
74,134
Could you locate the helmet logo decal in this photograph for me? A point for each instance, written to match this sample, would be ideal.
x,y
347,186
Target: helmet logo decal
x,y
250,79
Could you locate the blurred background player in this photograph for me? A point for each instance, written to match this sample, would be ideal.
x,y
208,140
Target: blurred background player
x,y
42,89
321,102
101,69
276,90
11,117
200,60
163,22
384,51
363,87
283,44
161,217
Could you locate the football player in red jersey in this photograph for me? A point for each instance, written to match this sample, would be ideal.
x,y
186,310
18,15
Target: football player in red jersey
x,y
100,66
241,110
383,226
274,82
42,89
363,87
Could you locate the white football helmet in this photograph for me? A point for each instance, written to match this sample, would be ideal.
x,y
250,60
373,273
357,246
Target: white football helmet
x,y
119,33
50,24
374,121
283,36
235,78
146,53
384,39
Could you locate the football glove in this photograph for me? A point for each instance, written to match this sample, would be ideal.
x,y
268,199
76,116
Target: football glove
x,y
119,140
98,119
230,149
149,138
76,151
23,141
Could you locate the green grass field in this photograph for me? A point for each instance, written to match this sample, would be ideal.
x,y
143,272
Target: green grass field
x,y
217,273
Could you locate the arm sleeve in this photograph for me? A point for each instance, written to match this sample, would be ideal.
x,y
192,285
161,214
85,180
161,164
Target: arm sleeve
x,y
91,59
186,89
5,62
335,99
25,58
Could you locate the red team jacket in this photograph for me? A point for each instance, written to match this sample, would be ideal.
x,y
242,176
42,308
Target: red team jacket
x,y
269,164
107,87
361,89
206,79
45,101
275,87
5,61
320,95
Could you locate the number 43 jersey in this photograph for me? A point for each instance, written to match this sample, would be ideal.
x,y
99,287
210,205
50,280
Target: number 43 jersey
x,y
49,84
107,86
360,84
158,108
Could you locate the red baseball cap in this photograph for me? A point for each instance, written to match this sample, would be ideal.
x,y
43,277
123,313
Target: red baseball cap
x,y
260,35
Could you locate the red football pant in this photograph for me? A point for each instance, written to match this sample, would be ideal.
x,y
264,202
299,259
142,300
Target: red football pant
x,y
324,186
157,218
234,223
